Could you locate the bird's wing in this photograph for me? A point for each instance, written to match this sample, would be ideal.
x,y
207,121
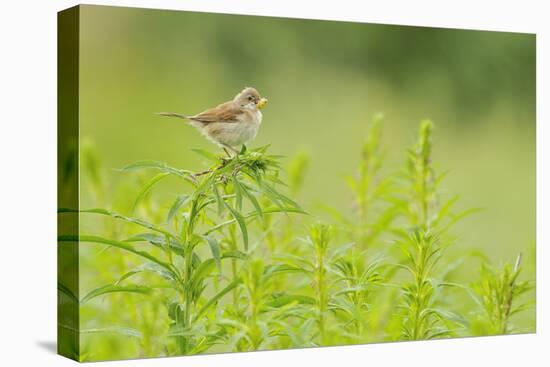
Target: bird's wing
x,y
226,112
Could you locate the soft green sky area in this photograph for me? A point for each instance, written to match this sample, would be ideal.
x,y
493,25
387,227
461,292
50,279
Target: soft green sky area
x,y
324,81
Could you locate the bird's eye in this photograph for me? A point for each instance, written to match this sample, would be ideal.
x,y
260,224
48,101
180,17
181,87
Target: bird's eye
x,y
250,98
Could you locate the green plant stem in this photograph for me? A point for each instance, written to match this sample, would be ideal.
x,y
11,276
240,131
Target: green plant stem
x,y
320,236
321,297
234,270
189,249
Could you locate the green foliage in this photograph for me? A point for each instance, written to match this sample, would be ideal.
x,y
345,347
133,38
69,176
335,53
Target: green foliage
x,y
497,293
422,178
374,206
421,320
319,239
424,243
231,263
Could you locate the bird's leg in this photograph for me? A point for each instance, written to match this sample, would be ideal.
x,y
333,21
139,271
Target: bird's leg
x,y
228,148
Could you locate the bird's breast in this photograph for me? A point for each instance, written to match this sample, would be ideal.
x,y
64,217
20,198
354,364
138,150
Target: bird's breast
x,y
253,117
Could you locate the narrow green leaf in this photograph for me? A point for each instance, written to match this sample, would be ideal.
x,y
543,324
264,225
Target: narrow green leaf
x,y
113,330
201,273
219,295
357,288
215,248
65,290
271,196
446,208
234,255
150,267
161,166
101,211
144,164
205,184
115,289
118,244
180,201
250,196
238,193
158,241
219,199
281,197
281,268
283,300
147,187
242,224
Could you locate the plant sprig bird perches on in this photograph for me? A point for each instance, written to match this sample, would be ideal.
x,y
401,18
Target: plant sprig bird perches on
x,y
191,240
229,124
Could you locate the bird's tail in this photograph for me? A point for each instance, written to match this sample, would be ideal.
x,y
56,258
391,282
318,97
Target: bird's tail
x,y
172,114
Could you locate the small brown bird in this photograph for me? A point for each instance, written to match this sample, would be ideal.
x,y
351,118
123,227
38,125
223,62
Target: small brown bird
x,y
232,123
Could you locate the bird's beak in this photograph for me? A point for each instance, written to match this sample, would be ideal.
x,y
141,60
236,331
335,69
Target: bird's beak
x,y
261,103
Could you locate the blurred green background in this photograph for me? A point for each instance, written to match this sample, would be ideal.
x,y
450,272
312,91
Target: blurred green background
x,y
324,80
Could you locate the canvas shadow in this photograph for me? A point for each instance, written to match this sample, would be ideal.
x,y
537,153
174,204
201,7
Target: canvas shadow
x,y
48,345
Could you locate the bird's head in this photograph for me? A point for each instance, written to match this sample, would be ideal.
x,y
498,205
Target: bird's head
x,y
249,97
